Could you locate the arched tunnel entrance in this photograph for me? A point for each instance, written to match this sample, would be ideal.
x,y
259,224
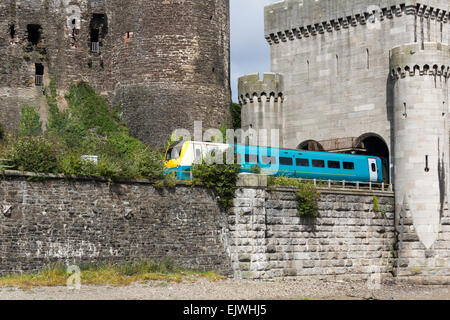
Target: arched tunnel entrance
x,y
310,145
372,144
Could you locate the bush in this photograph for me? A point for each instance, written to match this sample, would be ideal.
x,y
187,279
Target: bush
x,y
283,181
30,123
308,200
236,110
220,177
376,204
256,169
87,127
73,164
34,154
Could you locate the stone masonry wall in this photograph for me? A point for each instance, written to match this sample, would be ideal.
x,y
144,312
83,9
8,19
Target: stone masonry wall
x,y
269,239
85,221
261,237
415,262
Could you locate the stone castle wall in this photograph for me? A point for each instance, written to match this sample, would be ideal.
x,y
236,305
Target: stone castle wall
x,y
261,237
85,222
334,58
347,240
166,63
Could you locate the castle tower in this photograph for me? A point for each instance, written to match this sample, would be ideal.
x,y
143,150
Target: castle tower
x,y
262,104
175,68
166,63
421,152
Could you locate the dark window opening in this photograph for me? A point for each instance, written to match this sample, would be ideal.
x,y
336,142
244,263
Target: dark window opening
x,y
368,59
302,162
12,31
39,74
318,163
99,30
95,41
334,164
286,161
95,35
374,167
39,69
349,166
34,33
250,158
269,160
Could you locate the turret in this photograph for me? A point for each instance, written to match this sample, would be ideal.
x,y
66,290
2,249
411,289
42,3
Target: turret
x,y
419,78
262,102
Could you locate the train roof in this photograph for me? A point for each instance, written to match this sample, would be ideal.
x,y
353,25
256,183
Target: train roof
x,y
290,150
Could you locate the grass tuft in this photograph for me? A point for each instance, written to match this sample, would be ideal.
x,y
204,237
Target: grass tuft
x,y
113,274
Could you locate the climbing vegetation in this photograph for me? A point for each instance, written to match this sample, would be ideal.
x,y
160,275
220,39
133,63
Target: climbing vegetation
x,y
220,177
30,123
87,127
308,200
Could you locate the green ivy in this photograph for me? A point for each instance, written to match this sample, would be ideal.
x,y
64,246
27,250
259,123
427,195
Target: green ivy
x,y
35,154
376,204
236,111
308,200
30,123
283,181
220,177
88,127
256,169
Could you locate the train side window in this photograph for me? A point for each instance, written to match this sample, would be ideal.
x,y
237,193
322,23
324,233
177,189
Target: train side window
x,y
251,158
286,161
334,164
269,160
318,163
302,162
349,166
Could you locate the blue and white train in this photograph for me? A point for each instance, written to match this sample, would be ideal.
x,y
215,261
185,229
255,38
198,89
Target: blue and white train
x,y
181,156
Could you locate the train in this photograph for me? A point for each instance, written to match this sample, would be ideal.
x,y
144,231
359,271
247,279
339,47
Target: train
x,y
181,156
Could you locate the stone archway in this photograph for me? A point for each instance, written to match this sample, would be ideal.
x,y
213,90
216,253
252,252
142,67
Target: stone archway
x,y
310,145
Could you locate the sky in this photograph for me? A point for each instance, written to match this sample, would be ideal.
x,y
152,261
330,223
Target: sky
x,y
250,52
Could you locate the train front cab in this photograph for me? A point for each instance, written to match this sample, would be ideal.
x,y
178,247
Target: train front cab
x,y
175,158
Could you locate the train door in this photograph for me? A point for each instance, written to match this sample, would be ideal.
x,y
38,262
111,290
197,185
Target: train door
x,y
373,170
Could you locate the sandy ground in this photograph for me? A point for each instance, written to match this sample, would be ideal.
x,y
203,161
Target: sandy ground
x,y
234,290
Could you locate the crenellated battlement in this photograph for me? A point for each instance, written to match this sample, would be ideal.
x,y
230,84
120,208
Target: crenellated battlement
x,y
251,87
413,60
299,19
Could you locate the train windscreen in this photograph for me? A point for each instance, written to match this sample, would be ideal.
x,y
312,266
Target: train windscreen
x,y
174,152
